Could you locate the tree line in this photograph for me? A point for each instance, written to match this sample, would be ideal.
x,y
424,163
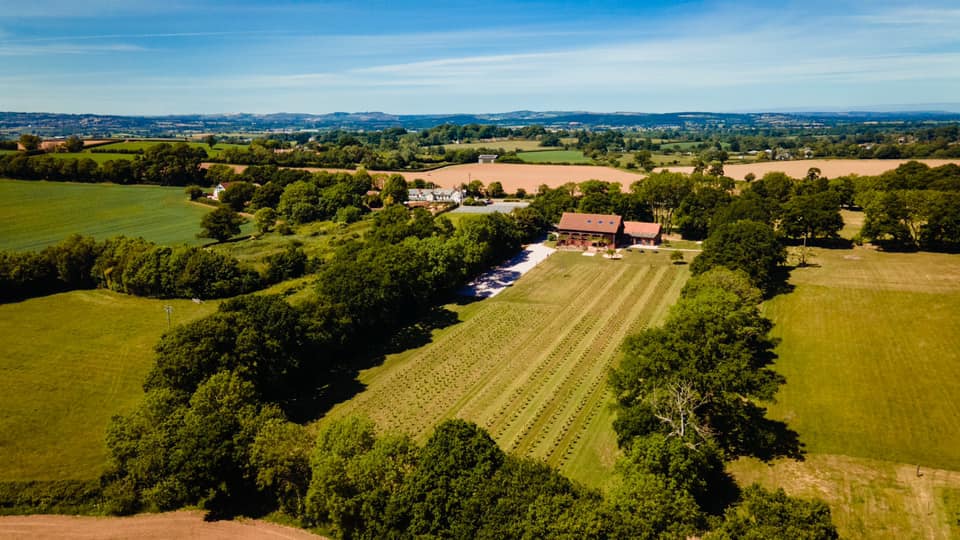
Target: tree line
x,y
128,265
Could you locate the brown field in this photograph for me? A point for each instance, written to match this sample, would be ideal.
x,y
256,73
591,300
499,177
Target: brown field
x,y
182,524
831,168
511,175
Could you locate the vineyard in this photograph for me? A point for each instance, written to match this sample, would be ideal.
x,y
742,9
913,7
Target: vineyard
x,y
529,365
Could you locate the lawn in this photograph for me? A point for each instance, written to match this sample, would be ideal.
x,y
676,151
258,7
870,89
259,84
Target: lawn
x,y
38,214
555,156
530,365
871,353
71,361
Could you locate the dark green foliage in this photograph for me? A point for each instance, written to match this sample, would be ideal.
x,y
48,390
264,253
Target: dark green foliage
x,y
194,192
179,449
770,515
288,264
813,216
743,245
395,187
457,461
692,374
238,195
221,224
51,497
695,212
280,455
261,338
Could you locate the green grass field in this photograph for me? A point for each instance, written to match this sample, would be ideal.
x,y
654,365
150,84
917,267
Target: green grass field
x,y
38,214
871,353
530,365
96,156
143,145
519,145
555,156
71,361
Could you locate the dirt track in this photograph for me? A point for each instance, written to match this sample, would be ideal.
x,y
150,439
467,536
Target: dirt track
x,y
182,524
831,168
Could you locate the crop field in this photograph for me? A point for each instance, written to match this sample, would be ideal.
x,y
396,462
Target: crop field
x,y
554,156
38,214
530,365
71,361
831,168
871,353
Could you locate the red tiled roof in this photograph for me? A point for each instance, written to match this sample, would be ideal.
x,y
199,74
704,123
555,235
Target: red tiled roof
x,y
641,229
599,223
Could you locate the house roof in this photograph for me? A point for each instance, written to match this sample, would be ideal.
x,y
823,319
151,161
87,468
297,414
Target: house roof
x,y
599,223
641,229
488,156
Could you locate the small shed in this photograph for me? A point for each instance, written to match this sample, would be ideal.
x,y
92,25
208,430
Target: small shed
x,y
487,158
641,232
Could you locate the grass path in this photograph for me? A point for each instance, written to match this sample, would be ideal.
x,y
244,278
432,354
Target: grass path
x,y
530,364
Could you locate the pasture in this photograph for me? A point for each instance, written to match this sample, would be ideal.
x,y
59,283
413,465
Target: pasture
x,y
871,353
530,365
38,214
70,362
99,157
554,156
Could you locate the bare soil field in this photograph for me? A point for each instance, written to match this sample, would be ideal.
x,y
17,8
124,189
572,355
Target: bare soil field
x,y
511,175
182,524
831,168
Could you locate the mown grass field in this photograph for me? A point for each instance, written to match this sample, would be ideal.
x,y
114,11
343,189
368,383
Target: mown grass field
x,y
70,362
871,353
555,156
530,365
38,214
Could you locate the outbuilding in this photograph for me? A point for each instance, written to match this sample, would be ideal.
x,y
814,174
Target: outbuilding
x,y
641,232
487,158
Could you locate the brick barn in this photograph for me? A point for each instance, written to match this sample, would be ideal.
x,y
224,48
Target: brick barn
x,y
589,230
640,232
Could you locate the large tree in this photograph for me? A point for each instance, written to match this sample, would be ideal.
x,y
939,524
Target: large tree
x,y
743,245
221,224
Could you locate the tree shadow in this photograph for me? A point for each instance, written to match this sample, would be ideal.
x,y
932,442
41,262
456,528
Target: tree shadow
x,y
325,388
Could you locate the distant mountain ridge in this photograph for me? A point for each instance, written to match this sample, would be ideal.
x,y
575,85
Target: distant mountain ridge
x,y
54,124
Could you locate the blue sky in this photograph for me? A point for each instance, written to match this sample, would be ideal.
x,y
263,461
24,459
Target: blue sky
x,y
178,56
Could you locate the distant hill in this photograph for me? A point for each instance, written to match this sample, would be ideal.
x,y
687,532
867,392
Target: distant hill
x,y
54,124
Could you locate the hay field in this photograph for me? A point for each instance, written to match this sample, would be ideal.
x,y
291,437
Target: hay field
x,y
871,353
71,361
830,168
530,365
511,175
38,214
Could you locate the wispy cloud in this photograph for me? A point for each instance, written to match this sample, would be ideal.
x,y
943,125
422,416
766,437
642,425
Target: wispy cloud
x,y
67,49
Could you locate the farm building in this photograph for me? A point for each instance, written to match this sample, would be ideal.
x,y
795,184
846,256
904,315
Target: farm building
x,y
640,232
588,230
435,195
218,189
487,158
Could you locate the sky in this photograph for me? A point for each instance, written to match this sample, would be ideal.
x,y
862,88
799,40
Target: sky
x,y
156,57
